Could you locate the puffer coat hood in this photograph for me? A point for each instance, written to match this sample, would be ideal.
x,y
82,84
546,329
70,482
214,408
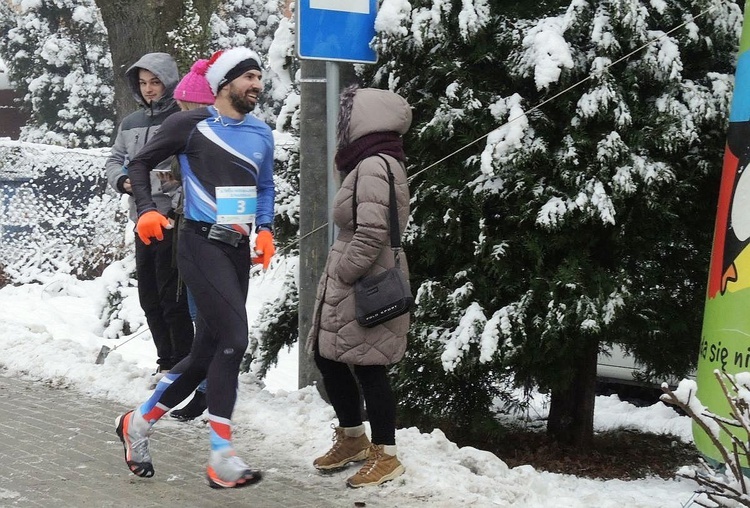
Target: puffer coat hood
x,y
363,251
368,110
163,66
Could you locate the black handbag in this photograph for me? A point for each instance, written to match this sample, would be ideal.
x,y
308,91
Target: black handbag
x,y
382,297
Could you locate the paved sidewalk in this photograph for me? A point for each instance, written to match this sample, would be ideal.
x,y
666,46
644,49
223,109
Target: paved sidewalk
x,y
58,448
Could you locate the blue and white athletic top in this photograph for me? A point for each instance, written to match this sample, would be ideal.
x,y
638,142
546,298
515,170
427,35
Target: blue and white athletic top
x,y
217,155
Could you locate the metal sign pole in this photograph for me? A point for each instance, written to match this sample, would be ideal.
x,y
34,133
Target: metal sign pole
x,y
332,114
334,31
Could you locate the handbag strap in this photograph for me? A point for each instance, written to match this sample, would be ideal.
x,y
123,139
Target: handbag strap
x,y
392,208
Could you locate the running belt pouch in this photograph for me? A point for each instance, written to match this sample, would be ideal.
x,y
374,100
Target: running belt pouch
x,y
382,297
224,235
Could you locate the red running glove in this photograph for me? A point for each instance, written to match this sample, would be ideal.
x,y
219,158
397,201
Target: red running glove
x,y
150,225
264,248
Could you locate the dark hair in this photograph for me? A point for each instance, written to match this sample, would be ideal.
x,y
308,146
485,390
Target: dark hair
x,y
345,115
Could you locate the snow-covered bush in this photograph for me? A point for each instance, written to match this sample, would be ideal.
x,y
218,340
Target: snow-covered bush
x,y
277,327
189,38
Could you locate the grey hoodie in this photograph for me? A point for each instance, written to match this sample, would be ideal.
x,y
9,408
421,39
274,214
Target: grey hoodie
x,y
138,127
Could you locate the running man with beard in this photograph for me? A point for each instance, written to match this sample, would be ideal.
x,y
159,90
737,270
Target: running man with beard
x,y
226,159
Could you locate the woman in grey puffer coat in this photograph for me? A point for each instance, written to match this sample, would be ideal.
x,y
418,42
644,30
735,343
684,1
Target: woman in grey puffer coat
x,y
370,124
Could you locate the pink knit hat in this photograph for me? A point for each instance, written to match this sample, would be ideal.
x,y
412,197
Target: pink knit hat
x,y
194,87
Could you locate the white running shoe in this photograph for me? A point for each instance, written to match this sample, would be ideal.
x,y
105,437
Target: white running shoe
x,y
226,471
135,443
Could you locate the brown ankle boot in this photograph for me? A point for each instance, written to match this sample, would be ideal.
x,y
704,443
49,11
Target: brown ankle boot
x,y
345,449
380,467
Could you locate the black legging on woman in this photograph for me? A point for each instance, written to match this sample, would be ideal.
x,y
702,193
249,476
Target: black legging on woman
x,y
341,387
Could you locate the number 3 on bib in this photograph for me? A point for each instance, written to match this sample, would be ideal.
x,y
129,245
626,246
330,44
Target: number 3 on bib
x,y
236,205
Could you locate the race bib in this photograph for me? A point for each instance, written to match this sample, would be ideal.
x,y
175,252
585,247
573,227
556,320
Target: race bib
x,y
236,205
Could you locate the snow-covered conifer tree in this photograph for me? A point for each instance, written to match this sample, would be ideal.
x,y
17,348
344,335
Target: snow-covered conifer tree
x,y
189,38
261,26
579,209
58,55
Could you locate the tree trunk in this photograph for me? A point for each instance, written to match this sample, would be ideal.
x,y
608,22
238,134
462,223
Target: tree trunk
x,y
571,414
137,27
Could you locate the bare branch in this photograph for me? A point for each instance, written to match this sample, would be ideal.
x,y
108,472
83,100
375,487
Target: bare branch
x,y
720,488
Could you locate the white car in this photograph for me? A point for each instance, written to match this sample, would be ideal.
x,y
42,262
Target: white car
x,y
618,367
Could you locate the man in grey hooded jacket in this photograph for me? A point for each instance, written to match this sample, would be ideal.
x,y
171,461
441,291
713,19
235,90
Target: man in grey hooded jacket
x,y
152,80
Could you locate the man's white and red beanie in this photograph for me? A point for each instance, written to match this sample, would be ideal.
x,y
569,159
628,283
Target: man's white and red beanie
x,y
226,65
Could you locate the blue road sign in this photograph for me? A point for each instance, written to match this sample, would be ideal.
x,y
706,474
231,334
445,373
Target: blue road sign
x,y
339,30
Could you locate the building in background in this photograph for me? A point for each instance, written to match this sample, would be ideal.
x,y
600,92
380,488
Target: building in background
x,y
12,118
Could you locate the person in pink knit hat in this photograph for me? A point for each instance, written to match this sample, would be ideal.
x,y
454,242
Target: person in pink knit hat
x,y
192,92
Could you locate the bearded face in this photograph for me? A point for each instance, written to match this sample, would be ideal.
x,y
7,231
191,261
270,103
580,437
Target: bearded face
x,y
244,92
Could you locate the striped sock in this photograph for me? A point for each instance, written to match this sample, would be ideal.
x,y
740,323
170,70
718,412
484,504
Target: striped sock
x,y
151,409
155,413
221,432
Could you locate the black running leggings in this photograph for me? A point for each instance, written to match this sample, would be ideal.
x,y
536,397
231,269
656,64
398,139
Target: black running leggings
x,y
380,403
217,275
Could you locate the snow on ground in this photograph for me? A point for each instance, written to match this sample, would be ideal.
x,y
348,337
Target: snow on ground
x,y
50,332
